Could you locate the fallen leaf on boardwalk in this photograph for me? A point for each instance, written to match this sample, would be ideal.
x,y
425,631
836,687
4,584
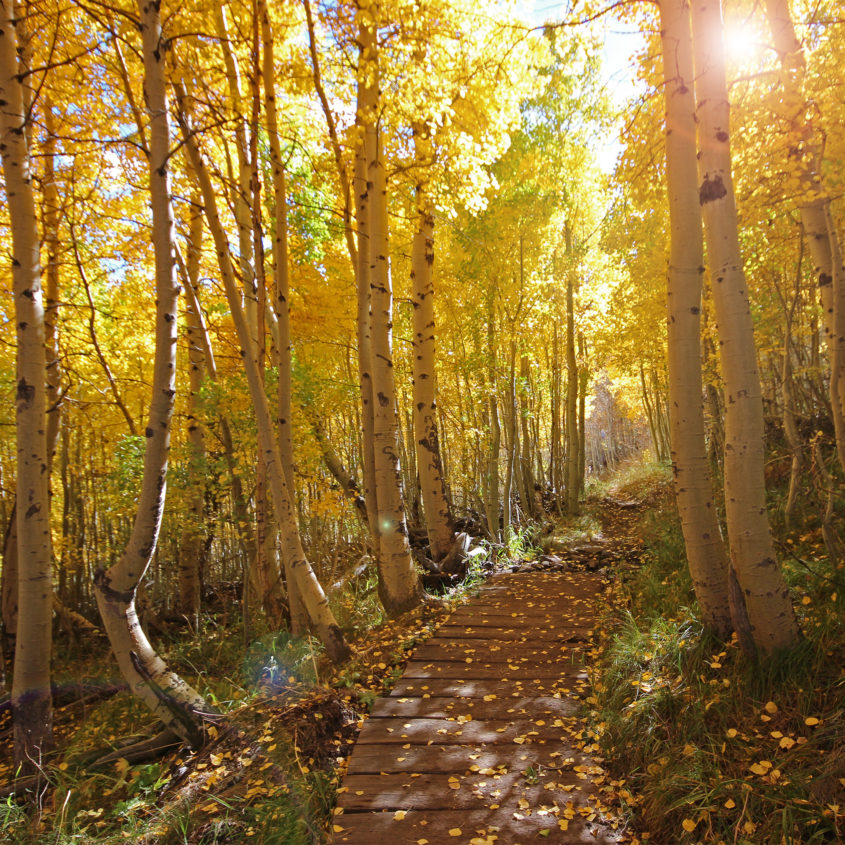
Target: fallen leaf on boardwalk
x,y
399,815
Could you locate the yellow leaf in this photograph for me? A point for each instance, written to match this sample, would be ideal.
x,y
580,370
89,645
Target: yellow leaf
x,y
688,825
811,720
770,707
730,803
455,831
399,815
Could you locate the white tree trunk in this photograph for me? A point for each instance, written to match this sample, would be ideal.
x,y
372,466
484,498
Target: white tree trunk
x,y
281,304
32,705
366,115
429,464
765,594
706,554
165,693
399,585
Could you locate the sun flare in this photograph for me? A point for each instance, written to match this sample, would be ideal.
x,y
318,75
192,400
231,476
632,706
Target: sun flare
x,y
744,42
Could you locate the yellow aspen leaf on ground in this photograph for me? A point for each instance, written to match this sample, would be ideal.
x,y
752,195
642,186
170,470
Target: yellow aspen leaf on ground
x,y
770,707
730,803
811,721
337,828
787,742
455,831
399,815
732,732
688,825
806,600
422,842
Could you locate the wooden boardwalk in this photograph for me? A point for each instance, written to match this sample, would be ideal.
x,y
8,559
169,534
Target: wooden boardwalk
x,y
477,741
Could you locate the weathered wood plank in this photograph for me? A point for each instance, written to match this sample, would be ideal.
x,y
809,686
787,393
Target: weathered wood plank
x,y
496,705
435,828
391,730
374,759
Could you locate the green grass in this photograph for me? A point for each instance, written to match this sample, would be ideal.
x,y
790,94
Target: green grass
x,y
715,747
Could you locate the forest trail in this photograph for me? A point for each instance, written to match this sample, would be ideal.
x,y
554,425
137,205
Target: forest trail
x,y
480,740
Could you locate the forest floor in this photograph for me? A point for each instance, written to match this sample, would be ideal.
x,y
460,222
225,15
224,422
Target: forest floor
x,y
695,743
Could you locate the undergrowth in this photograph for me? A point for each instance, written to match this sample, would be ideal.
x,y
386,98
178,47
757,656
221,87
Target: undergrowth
x,y
714,746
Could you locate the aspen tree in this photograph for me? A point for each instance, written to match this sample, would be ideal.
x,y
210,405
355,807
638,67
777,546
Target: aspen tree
x,y
491,501
365,114
193,533
765,594
281,304
399,585
32,704
705,549
814,204
429,464
572,491
313,597
178,706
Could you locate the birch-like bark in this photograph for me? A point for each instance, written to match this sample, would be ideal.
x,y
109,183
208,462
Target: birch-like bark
x,y
491,499
51,215
281,294
242,189
178,706
32,704
816,217
438,520
399,584
192,544
366,114
526,455
572,491
753,560
706,554
306,581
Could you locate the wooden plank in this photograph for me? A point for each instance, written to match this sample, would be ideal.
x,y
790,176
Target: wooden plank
x,y
375,758
480,687
501,705
372,828
392,730
514,632
466,790
469,671
491,651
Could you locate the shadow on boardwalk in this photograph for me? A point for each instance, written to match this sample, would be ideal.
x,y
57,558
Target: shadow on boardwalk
x,y
479,740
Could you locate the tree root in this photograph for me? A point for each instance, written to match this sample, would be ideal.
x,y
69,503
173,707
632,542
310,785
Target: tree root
x,y
137,751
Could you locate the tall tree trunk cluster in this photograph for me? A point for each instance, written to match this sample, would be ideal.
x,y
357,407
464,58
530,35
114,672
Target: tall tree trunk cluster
x,y
752,586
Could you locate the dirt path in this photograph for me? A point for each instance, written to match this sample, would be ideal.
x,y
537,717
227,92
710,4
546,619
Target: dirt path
x,y
479,741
